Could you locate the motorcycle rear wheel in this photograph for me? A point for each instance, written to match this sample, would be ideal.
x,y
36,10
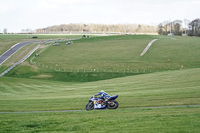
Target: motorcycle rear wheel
x,y
112,104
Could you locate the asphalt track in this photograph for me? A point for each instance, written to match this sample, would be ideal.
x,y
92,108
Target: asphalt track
x,y
20,61
62,111
14,49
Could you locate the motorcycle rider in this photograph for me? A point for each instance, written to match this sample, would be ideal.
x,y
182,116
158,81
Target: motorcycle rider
x,y
103,95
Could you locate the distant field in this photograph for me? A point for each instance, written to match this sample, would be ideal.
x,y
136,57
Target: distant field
x,y
123,52
108,57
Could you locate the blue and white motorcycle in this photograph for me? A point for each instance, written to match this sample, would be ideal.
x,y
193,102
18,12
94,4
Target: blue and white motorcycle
x,y
99,103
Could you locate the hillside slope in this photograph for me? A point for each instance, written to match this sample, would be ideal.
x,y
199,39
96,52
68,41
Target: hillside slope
x,y
157,89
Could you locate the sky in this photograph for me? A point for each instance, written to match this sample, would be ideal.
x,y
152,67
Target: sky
x,y
16,15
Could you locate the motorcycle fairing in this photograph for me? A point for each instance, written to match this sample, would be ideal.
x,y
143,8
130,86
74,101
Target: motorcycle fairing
x,y
113,97
98,105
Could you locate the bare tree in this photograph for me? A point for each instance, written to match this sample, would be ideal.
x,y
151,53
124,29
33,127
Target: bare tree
x,y
5,31
194,28
177,27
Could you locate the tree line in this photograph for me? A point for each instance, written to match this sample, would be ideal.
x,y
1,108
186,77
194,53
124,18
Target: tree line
x,y
179,27
99,28
194,28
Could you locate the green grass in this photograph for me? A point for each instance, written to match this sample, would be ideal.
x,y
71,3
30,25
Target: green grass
x,y
173,120
123,52
177,87
158,89
104,53
106,57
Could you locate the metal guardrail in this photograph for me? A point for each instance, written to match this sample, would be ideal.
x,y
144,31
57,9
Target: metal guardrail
x,y
20,61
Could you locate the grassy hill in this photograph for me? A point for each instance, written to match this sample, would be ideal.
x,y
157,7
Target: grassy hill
x,y
123,52
113,64
99,58
158,89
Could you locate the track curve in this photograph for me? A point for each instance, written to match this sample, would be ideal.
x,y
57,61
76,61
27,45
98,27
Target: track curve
x,y
13,50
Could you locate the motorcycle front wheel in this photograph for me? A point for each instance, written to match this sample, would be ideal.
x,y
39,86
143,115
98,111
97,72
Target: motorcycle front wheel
x,y
112,104
89,106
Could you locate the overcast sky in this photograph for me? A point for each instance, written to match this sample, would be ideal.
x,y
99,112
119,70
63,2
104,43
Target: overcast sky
x,y
16,15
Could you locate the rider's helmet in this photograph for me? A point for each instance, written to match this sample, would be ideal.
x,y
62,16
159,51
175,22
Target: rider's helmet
x,y
102,91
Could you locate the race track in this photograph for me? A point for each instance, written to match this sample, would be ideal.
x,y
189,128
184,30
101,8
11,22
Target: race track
x,y
14,49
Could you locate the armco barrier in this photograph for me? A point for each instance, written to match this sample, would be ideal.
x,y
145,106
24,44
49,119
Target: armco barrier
x,y
20,61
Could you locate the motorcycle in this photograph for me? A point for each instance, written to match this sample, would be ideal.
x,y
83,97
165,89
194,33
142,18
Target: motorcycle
x,y
99,103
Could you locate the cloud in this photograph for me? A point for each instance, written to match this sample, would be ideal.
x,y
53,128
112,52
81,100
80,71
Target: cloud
x,y
5,7
52,4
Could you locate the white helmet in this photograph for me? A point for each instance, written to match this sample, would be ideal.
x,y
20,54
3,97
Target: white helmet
x,y
102,93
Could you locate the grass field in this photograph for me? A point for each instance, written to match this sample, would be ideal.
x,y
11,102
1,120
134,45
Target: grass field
x,y
173,120
158,89
122,52
99,58
38,88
